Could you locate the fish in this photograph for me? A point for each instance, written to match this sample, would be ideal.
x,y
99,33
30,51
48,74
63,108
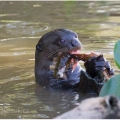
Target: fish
x,y
67,60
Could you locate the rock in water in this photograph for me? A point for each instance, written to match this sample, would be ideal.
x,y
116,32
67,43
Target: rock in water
x,y
95,108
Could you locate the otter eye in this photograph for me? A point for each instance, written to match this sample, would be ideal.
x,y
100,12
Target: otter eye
x,y
62,41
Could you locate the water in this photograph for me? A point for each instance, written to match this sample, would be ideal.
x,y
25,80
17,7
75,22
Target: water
x,y
21,26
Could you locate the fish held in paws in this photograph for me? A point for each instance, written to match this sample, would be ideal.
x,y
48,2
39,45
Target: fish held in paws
x,y
64,62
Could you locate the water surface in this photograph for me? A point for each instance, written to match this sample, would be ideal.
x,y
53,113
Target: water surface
x,y
21,26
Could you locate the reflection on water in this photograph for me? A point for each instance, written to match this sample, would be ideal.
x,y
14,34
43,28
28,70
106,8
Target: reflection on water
x,y
21,26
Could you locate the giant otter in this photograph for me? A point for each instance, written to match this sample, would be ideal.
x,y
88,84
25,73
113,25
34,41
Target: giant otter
x,y
59,41
48,47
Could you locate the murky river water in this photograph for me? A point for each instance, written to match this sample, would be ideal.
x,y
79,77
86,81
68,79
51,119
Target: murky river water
x,y
21,26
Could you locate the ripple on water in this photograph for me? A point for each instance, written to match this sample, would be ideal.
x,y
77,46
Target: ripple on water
x,y
22,77
23,28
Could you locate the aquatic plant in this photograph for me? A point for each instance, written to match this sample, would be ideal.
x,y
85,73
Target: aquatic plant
x,y
112,87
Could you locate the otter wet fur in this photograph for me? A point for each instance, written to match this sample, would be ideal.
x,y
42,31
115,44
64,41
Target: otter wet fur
x,y
49,48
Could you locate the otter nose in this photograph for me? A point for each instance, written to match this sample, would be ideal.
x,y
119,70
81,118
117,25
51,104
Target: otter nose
x,y
76,44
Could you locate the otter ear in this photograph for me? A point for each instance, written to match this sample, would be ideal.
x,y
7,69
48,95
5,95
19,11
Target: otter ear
x,y
39,47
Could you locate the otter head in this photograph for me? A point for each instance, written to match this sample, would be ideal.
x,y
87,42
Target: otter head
x,y
62,40
50,45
